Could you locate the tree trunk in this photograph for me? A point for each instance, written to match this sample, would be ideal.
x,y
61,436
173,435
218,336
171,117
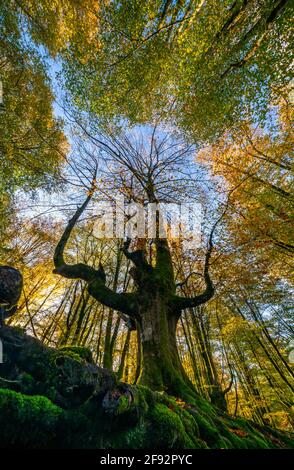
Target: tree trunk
x,y
161,365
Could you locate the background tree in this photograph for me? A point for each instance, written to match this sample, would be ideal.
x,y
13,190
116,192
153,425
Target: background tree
x,y
32,142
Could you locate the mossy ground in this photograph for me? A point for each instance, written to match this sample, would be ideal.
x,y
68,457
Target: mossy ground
x,y
155,421
60,399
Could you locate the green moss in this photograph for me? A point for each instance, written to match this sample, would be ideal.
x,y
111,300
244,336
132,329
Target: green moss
x,y
205,406
146,395
200,444
161,422
59,358
134,438
168,429
190,425
143,418
27,420
223,443
123,405
255,442
208,432
137,437
81,352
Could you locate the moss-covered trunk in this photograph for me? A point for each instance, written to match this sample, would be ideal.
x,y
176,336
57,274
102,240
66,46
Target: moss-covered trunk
x,y
161,367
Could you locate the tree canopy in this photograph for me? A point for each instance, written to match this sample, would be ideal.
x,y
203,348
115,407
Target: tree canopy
x,y
205,65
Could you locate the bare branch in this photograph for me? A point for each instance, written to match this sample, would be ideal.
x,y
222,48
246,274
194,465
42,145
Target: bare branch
x,y
189,302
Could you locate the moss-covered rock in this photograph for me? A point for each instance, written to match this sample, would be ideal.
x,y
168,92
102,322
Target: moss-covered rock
x,y
78,352
58,398
27,421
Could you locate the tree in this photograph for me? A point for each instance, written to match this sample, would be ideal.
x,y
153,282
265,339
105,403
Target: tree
x,y
205,65
146,309
153,307
141,60
256,167
32,141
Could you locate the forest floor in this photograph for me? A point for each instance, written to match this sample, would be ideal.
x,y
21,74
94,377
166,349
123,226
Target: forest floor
x,y
58,398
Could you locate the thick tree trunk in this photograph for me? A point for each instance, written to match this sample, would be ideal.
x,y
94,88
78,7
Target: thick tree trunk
x,y
161,366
